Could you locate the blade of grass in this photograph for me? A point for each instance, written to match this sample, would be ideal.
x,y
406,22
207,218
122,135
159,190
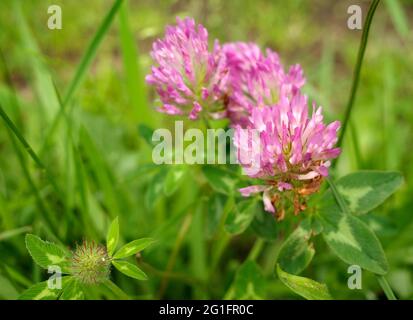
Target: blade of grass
x,y
42,82
9,123
387,95
175,251
70,189
82,68
14,129
134,82
16,276
398,17
103,175
14,132
41,76
326,71
45,212
15,232
357,69
91,52
198,249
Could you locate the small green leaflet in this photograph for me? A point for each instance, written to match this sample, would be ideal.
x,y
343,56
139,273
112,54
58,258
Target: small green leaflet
x,y
146,133
173,179
365,190
215,210
133,247
307,288
112,237
297,251
220,180
350,238
72,290
46,254
129,269
249,282
241,216
264,224
155,188
41,291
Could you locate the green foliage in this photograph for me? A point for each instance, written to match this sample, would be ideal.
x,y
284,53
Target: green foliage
x,y
348,237
146,134
297,251
112,237
72,291
173,179
155,189
219,179
40,291
249,282
215,210
130,270
241,216
363,191
264,224
307,288
351,240
132,248
69,165
398,17
46,254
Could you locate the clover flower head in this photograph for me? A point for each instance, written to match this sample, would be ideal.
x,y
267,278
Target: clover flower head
x,y
294,151
90,263
257,80
188,78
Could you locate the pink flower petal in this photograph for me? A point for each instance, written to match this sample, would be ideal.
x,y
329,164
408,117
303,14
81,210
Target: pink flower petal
x,y
284,186
268,206
193,115
247,191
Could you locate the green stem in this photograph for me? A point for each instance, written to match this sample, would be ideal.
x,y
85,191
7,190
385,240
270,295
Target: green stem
x,y
174,255
340,201
356,145
206,122
118,292
386,288
223,238
256,249
252,256
357,69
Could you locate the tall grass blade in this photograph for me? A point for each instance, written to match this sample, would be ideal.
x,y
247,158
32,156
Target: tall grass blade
x,y
134,82
357,69
398,17
83,66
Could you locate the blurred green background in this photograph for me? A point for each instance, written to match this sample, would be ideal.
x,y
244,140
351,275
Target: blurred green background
x,y
101,165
